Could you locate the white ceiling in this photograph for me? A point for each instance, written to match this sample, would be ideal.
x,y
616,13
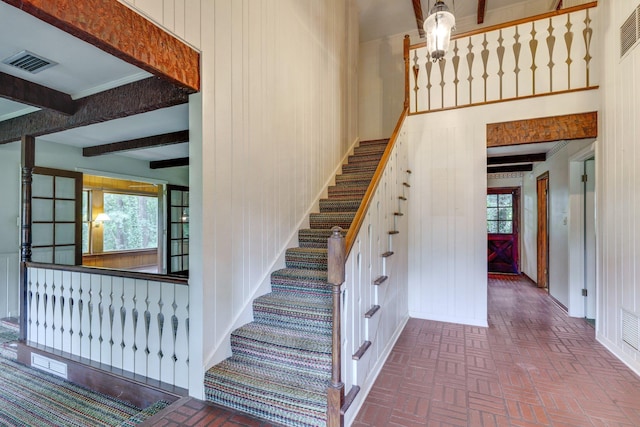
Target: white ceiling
x,y
381,18
83,70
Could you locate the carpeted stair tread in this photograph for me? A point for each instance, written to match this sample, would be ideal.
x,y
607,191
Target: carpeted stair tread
x,y
329,220
301,281
311,258
340,205
315,238
347,191
364,158
283,348
300,312
369,149
354,176
369,166
383,141
255,390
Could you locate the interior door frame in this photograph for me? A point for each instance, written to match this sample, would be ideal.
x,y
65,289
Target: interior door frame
x,y
515,192
542,235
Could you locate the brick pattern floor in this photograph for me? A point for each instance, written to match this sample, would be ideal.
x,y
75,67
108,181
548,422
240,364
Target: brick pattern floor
x,y
533,366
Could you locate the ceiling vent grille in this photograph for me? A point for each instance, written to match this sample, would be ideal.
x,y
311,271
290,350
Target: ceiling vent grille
x,y
29,61
631,329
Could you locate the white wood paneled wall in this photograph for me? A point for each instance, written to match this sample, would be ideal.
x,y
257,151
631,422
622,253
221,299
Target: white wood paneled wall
x,y
279,111
182,18
9,285
447,216
617,184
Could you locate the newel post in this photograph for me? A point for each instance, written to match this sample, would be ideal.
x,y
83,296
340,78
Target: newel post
x,y
407,44
335,276
28,163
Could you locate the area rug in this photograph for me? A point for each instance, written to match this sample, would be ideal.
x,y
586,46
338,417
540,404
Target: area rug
x,y
29,397
8,348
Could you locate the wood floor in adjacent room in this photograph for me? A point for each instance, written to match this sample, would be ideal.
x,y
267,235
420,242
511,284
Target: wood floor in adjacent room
x,y
533,366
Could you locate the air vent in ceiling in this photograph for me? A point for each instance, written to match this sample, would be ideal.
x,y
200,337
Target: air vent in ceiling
x,y
630,32
29,61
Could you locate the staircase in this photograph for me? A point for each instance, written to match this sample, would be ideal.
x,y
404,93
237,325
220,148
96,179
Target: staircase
x,y
281,363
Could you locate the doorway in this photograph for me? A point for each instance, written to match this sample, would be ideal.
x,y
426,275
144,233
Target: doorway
x,y
503,228
542,192
589,239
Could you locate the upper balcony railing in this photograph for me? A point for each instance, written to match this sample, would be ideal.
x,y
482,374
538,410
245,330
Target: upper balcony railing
x,y
544,55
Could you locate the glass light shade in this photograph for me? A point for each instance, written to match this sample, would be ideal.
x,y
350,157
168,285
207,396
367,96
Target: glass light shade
x,y
102,217
438,27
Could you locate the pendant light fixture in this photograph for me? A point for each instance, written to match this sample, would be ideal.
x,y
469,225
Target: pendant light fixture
x,y
438,27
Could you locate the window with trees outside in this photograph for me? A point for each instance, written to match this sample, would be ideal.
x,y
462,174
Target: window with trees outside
x,y
133,222
500,213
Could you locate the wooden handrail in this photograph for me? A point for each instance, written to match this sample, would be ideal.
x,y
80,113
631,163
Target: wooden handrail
x,y
358,219
110,272
515,22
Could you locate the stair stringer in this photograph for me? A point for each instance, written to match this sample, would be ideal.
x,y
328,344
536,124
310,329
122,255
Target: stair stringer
x,y
364,264
222,349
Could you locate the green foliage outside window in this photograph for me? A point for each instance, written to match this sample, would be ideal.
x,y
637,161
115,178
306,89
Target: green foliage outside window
x,y
133,222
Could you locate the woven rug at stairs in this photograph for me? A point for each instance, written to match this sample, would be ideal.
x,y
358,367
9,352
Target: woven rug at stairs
x,y
8,338
280,366
29,397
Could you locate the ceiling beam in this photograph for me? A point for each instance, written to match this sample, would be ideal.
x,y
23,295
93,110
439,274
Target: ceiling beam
x,y
133,98
511,168
170,163
544,129
482,5
116,29
26,92
137,144
522,158
417,11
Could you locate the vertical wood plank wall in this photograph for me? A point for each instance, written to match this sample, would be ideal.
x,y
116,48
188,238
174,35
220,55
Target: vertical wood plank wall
x,y
279,111
617,183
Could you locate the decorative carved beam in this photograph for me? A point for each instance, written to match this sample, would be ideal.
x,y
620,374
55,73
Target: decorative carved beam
x,y
523,158
417,10
512,168
159,164
545,129
134,98
116,29
481,9
26,92
137,144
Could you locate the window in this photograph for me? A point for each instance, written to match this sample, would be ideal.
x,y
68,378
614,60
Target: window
x,y
86,221
500,213
133,222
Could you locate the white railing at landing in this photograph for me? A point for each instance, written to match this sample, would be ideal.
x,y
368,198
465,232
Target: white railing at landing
x,y
548,54
137,325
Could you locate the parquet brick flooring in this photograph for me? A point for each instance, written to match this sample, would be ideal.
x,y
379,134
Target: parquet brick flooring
x,y
533,366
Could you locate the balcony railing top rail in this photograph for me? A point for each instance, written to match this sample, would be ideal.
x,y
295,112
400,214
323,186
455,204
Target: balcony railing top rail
x,y
543,55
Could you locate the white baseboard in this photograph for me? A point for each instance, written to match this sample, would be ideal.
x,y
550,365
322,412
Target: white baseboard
x,y
631,362
449,319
